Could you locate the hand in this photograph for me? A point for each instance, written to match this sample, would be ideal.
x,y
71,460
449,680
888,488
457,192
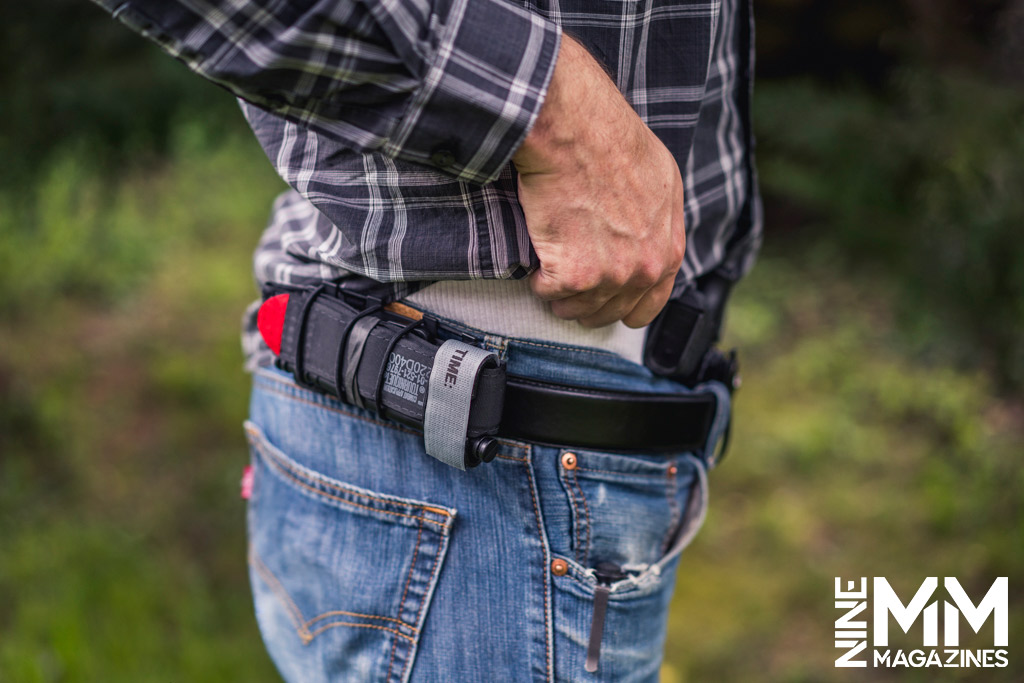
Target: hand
x,y
603,200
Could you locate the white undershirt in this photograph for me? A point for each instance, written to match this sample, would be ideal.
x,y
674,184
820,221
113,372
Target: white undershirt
x,y
508,308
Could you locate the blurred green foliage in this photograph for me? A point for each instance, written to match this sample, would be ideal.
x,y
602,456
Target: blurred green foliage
x,y
870,436
852,458
923,184
122,553
85,82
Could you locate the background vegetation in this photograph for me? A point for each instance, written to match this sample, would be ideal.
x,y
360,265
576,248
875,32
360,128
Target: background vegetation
x,y
879,429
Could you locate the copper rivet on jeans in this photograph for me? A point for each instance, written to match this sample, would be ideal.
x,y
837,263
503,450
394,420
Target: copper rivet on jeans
x,y
672,471
559,567
569,461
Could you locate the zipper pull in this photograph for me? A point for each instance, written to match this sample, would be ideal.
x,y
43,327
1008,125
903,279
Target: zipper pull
x,y
606,573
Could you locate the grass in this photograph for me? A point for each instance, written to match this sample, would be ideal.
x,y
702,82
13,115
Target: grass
x,y
122,397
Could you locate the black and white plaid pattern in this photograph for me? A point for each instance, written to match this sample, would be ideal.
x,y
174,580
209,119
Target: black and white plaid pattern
x,y
415,80
393,121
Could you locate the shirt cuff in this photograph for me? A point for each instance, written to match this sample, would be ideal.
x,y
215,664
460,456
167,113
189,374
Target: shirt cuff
x,y
482,92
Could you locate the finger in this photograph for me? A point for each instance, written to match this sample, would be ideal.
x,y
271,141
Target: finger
x,y
581,305
615,309
547,287
650,304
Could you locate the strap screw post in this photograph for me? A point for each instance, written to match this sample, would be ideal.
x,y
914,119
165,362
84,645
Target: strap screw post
x,y
481,449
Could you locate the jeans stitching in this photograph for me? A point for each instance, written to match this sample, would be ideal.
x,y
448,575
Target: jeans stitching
x,y
522,448
405,592
281,468
671,489
433,571
335,624
295,476
622,474
341,612
301,624
294,392
546,556
690,526
412,566
586,512
566,347
300,395
575,513
275,586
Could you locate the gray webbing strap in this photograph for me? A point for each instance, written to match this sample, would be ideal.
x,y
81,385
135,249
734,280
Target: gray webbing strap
x,y
449,395
353,354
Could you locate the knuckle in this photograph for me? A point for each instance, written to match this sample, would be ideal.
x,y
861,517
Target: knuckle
x,y
677,258
618,276
678,251
546,288
583,280
650,273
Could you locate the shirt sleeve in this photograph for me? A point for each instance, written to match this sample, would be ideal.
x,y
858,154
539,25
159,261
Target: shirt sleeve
x,y
454,84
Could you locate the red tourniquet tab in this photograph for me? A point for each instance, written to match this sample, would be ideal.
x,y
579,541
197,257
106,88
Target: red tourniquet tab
x,y
270,321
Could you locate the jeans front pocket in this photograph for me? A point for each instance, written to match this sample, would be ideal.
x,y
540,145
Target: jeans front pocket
x,y
627,510
631,517
342,577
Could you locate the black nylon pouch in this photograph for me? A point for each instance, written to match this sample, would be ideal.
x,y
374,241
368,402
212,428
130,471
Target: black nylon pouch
x,y
397,390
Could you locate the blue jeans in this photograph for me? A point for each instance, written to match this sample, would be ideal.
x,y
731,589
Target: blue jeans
x,y
371,561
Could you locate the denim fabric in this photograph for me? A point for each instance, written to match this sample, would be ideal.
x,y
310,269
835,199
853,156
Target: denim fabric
x,y
371,561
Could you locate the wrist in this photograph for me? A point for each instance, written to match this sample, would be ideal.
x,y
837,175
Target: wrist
x,y
557,129
584,117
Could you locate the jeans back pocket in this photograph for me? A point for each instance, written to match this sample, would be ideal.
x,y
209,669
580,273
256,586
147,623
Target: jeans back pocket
x,y
342,577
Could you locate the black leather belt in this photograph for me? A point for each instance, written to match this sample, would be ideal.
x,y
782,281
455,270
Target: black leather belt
x,y
582,417
395,361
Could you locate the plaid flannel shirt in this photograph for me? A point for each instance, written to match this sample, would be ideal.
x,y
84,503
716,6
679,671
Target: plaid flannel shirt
x,y
394,122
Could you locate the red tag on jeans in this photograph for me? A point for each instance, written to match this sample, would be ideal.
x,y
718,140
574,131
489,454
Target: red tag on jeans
x,y
246,484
